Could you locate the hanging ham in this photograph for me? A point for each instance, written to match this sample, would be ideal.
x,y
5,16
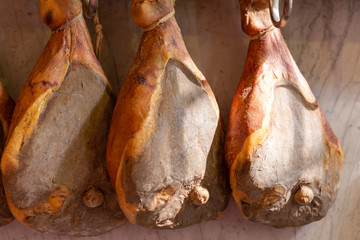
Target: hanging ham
x,y
285,161
165,147
54,166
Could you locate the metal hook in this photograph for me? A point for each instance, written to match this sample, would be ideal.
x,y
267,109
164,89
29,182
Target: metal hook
x,y
90,8
278,21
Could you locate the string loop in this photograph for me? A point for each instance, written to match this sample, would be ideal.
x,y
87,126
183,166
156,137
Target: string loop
x,y
68,23
164,19
262,33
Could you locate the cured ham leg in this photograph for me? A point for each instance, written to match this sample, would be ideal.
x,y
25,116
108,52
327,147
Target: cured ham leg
x,y
285,161
54,166
6,110
165,143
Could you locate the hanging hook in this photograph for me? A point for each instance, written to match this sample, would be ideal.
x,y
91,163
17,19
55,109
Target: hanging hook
x,y
90,8
278,21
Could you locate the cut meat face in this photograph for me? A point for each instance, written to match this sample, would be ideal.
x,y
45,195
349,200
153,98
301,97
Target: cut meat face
x,y
164,150
54,163
285,161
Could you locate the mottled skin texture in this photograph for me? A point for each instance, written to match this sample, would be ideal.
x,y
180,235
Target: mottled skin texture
x,y
53,165
285,161
6,109
164,152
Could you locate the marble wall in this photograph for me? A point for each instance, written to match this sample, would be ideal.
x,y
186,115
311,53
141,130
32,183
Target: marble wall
x,y
324,38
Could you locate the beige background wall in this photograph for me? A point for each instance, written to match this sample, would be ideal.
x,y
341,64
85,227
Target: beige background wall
x,y
324,38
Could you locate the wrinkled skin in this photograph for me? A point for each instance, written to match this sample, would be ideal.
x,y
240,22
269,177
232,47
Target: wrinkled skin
x,y
285,161
6,110
164,153
53,165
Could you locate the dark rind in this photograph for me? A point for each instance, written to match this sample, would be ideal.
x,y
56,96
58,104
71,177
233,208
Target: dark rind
x,y
6,109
